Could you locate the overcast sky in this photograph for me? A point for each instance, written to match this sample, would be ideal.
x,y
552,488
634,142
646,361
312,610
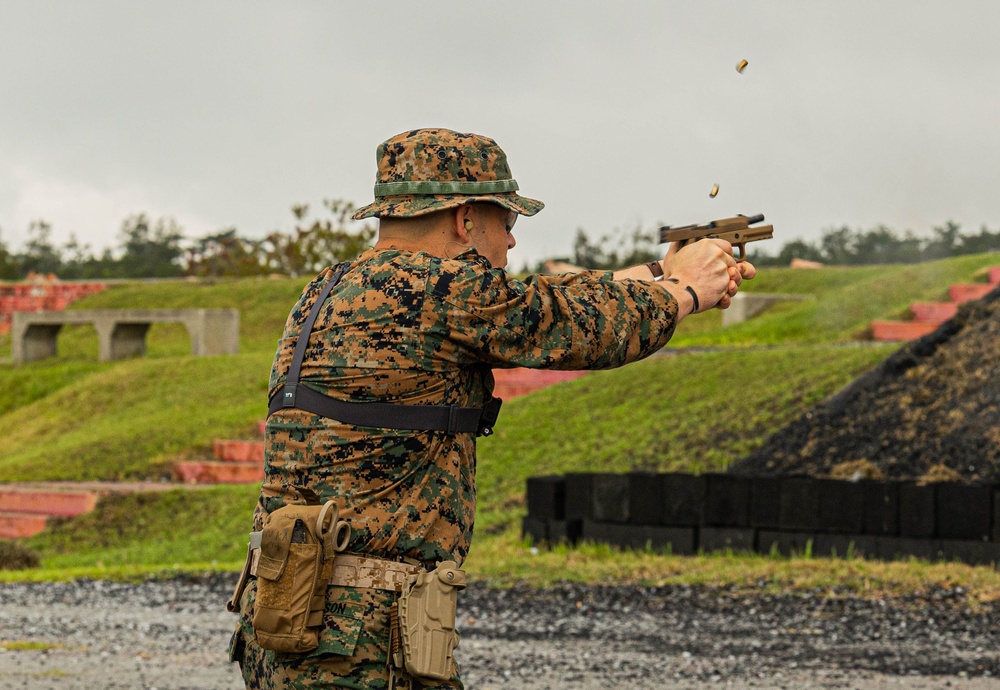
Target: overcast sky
x,y
613,113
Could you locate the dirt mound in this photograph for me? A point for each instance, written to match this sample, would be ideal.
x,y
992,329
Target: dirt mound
x,y
933,404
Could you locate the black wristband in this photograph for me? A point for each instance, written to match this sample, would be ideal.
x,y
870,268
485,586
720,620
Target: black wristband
x,y
694,296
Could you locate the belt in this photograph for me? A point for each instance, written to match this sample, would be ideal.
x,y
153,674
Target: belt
x,y
352,570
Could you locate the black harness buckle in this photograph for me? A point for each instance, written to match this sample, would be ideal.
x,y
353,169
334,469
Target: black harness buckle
x,y
288,395
488,419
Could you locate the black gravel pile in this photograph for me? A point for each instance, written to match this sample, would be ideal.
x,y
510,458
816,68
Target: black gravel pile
x,y
934,402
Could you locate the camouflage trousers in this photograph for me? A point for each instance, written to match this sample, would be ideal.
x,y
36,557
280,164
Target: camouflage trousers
x,y
352,652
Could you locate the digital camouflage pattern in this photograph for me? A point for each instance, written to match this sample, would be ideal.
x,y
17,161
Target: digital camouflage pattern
x,y
412,328
420,161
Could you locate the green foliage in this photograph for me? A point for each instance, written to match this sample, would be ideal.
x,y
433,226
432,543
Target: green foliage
x,y
841,302
617,249
15,555
880,245
155,249
196,525
128,420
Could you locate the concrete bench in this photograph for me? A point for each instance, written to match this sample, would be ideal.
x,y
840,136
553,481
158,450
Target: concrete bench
x,y
121,333
746,305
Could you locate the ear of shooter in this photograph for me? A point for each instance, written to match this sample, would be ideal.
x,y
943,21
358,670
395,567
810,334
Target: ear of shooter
x,y
715,190
739,67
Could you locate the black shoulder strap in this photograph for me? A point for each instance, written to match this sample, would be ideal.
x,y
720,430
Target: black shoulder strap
x,y
451,419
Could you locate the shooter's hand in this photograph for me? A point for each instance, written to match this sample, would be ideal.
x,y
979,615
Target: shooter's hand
x,y
707,269
743,270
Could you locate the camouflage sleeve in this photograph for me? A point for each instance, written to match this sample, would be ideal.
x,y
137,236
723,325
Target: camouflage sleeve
x,y
575,321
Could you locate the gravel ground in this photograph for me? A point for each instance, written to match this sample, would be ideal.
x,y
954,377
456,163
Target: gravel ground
x,y
173,634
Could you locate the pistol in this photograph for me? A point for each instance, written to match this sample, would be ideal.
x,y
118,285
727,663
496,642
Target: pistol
x,y
736,231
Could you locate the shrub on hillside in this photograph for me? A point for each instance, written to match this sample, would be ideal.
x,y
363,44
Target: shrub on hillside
x,y
16,556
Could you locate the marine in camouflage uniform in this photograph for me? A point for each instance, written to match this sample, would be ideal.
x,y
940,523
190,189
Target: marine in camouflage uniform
x,y
418,328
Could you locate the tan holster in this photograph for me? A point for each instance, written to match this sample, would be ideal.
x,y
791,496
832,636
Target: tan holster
x,y
424,636
297,548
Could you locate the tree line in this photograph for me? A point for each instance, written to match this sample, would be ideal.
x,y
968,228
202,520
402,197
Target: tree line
x,y
836,246
157,248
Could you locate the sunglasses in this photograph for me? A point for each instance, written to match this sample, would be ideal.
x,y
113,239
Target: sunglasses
x,y
511,219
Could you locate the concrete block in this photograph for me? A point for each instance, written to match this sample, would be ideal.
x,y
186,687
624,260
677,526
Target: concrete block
x,y
964,511
726,538
901,548
841,506
534,529
799,504
610,494
973,552
546,497
238,451
678,540
564,531
18,525
40,502
578,496
881,508
893,331
727,501
916,510
645,498
765,502
966,292
219,472
933,312
683,497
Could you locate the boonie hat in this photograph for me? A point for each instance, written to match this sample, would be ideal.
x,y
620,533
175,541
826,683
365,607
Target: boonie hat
x,y
427,170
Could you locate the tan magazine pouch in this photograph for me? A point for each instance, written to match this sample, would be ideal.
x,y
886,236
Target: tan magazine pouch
x,y
297,548
426,612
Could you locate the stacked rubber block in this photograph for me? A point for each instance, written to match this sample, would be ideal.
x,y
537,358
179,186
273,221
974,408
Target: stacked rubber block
x,y
687,514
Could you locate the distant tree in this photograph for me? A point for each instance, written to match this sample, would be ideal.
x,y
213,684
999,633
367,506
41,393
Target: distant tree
x,y
585,253
985,241
150,250
9,270
40,255
318,243
617,249
77,259
944,243
224,253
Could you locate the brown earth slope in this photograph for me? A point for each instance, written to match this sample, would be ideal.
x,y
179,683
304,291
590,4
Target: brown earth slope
x,y
935,402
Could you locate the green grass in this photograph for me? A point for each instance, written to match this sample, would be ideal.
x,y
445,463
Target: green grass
x,y
127,420
691,413
74,418
153,529
842,302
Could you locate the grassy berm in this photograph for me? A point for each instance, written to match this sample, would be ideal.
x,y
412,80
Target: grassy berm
x,y
725,393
